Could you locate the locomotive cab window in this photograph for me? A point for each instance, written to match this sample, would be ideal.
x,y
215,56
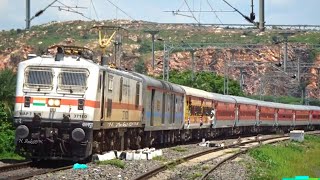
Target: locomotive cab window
x,y
40,78
73,80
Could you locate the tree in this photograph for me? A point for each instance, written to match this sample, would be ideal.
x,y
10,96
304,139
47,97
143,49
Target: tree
x,y
140,67
7,99
206,81
7,89
6,132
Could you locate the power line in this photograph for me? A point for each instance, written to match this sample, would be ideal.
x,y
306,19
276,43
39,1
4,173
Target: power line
x,y
191,11
94,8
41,11
121,10
71,9
244,16
214,12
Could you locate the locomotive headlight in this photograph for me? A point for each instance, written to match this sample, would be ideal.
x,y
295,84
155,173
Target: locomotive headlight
x,y
50,102
54,102
22,131
57,102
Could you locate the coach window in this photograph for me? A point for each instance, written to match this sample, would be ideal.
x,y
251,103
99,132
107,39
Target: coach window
x,y
137,94
110,83
121,85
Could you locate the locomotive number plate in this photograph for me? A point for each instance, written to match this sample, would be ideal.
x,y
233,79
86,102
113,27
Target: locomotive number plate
x,y
79,116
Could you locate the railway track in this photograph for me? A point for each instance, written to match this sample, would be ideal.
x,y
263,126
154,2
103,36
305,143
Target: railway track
x,y
227,152
29,169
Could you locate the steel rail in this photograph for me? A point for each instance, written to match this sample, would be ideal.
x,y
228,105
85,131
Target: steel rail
x,y
186,158
39,172
242,152
233,156
15,166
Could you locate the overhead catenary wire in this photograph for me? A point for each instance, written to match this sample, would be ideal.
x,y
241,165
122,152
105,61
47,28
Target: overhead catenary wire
x,y
41,11
70,9
191,11
95,11
244,16
121,10
214,12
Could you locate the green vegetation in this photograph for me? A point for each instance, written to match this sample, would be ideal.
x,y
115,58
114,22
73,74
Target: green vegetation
x,y
195,175
179,149
287,159
160,158
7,90
206,81
140,67
172,165
286,100
114,162
7,95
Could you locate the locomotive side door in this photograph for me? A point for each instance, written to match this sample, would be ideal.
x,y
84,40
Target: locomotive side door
x,y
102,85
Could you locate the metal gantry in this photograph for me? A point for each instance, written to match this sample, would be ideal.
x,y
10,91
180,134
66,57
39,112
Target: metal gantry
x,y
294,72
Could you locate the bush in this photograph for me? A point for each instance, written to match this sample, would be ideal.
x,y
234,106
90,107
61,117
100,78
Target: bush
x,y
114,162
6,132
145,47
7,95
140,67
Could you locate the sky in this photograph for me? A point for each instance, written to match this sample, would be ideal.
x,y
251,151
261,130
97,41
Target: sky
x,y
13,13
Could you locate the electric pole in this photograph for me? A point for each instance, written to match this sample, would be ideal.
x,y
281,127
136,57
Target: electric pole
x,y
192,56
28,14
153,33
261,15
285,36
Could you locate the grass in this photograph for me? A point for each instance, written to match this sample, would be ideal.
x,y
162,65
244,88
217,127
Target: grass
x,y
171,166
114,162
287,159
11,156
195,175
159,158
179,149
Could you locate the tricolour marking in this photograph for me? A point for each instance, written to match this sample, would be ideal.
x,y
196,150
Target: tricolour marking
x,y
39,101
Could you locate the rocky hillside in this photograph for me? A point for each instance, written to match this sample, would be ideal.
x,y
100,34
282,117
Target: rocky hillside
x,y
222,51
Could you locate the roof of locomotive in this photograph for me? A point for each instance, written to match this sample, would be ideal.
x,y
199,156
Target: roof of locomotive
x,y
68,61
159,83
73,62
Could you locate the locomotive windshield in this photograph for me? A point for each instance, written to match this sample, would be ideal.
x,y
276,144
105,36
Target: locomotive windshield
x,y
73,80
38,77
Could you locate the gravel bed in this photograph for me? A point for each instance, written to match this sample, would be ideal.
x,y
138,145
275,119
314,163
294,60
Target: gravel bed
x,y
133,168
235,169
95,171
2,164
